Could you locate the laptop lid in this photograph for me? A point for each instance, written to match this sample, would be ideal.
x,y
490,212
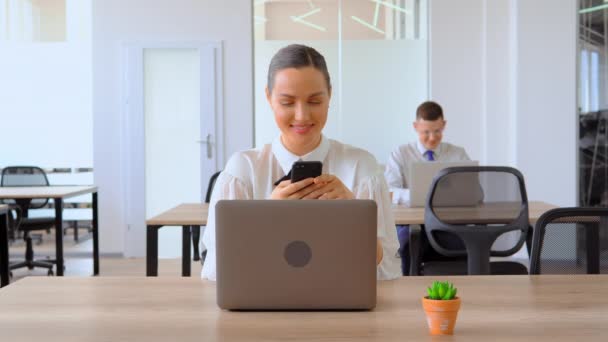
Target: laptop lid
x,y
291,255
422,174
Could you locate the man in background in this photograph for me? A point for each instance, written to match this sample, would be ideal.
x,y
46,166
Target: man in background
x,y
429,126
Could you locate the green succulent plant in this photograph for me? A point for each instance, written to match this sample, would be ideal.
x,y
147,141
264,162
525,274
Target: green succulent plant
x,y
441,291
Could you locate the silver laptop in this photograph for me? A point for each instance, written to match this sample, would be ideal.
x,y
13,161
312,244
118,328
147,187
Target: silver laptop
x,y
421,176
296,255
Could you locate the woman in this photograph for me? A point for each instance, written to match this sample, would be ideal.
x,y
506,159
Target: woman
x,y
298,91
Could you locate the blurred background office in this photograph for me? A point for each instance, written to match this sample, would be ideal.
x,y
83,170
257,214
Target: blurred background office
x,y
150,97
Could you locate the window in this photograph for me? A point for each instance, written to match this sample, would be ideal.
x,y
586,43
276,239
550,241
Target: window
x,y
593,103
33,20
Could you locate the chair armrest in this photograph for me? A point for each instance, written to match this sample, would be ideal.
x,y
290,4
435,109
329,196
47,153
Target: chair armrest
x,y
414,246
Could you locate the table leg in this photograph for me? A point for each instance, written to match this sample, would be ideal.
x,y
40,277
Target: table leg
x,y
152,250
95,237
59,235
4,271
196,236
186,251
592,240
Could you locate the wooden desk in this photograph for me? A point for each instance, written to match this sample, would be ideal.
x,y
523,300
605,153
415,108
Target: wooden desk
x,y
4,262
406,215
58,193
188,216
195,214
508,308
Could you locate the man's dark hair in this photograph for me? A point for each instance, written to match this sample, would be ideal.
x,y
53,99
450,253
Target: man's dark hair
x,y
297,56
429,111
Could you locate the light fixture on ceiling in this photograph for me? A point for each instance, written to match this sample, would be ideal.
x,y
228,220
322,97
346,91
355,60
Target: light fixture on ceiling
x,y
373,26
259,20
391,6
593,9
366,24
300,19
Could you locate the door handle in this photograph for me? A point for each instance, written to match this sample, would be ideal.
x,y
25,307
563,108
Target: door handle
x,y
209,144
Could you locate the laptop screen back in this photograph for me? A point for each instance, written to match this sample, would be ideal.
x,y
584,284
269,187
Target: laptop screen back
x,y
290,255
421,176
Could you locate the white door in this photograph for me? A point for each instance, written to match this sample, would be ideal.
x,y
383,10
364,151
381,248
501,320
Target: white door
x,y
172,134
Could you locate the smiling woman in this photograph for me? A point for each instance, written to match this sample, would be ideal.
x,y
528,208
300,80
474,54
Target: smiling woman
x,y
298,91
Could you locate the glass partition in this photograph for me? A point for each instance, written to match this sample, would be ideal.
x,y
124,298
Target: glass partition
x,y
593,103
377,57
33,20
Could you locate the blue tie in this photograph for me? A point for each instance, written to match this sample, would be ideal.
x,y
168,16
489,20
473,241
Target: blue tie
x,y
429,155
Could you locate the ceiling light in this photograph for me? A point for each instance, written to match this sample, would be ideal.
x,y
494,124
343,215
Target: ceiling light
x,y
300,19
389,5
593,9
366,24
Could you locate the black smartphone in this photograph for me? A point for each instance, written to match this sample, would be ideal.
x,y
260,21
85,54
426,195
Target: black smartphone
x,y
305,169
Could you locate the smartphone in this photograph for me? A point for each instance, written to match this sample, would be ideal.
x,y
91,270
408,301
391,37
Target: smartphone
x,y
305,169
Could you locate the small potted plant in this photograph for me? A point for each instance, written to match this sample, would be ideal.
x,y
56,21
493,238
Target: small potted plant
x,y
441,306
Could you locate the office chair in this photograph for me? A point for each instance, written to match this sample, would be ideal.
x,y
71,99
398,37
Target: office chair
x,y
28,176
196,231
467,210
571,241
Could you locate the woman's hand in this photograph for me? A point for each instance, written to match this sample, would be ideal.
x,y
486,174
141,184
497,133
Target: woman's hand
x,y
329,187
298,190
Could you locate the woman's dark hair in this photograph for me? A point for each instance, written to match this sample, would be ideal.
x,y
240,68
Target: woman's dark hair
x,y
296,56
429,111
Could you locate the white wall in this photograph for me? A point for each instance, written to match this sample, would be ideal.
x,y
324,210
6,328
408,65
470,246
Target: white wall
x,y
455,54
505,72
45,96
118,21
499,84
547,119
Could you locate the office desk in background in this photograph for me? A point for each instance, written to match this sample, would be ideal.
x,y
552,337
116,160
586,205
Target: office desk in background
x,y
510,308
58,194
195,214
4,262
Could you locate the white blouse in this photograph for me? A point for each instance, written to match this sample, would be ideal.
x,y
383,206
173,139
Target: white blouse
x,y
251,175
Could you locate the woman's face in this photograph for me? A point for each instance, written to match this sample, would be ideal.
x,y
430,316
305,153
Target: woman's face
x,y
300,101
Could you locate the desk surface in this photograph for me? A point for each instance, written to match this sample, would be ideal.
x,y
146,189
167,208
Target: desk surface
x,y
196,214
16,192
540,308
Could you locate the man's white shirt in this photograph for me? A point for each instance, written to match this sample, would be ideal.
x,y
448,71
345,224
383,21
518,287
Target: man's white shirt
x,y
398,166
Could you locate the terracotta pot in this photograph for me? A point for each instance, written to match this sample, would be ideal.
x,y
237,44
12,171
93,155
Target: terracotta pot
x,y
441,315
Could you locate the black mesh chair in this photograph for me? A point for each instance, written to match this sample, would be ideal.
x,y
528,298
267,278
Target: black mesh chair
x,y
28,176
467,210
571,241
196,231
